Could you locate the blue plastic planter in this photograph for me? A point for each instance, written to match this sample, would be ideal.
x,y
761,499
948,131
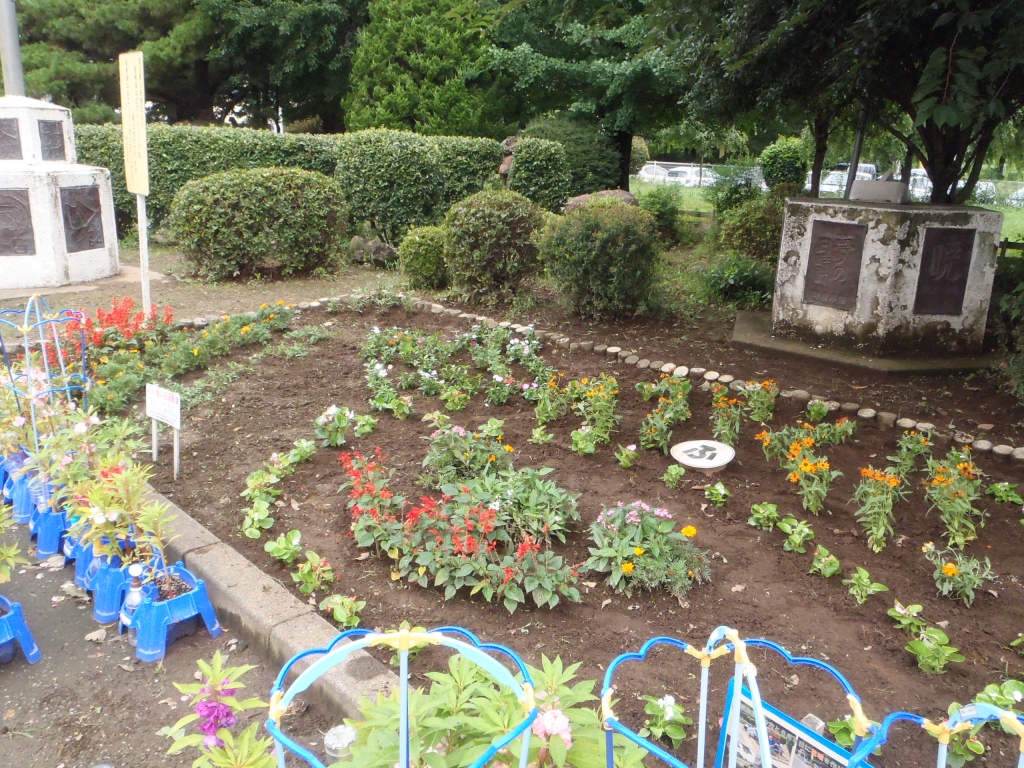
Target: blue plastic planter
x,y
82,555
154,619
108,584
48,528
13,628
20,495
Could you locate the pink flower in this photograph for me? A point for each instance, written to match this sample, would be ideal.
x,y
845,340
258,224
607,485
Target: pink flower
x,y
553,723
19,421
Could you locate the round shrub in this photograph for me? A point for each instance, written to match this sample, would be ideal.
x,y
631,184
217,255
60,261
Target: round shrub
x,y
783,162
662,202
465,163
489,246
391,180
731,190
421,258
603,257
754,228
590,157
639,156
540,173
243,223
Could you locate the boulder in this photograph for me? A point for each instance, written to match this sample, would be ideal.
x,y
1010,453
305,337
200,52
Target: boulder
x,y
357,250
616,194
380,254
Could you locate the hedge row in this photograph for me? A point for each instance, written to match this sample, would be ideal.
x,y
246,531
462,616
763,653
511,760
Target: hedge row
x,y
180,154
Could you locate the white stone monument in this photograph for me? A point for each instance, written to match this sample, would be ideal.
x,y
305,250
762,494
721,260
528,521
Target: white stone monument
x,y
890,279
56,216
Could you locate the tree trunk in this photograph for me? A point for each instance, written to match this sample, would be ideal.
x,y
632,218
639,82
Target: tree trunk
x,y
1001,167
819,127
907,172
624,144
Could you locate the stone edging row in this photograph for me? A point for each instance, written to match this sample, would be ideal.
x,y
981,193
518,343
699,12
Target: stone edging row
x,y
631,357
275,623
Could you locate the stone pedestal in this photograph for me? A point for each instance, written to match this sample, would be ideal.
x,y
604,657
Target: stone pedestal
x,y
888,279
56,217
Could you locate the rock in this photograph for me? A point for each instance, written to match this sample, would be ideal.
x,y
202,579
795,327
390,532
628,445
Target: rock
x,y
624,353
906,424
924,426
586,346
726,378
797,394
645,363
314,304
986,427
600,349
737,386
962,438
563,342
452,312
1002,451
303,305
668,368
573,346
867,414
199,322
711,375
1018,454
436,309
505,324
466,316
885,419
490,322
982,446
941,438
698,372
616,194
357,250
380,254
612,352
681,372
506,165
632,360
849,407
656,364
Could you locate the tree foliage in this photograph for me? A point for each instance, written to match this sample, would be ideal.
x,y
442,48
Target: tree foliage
x,y
590,156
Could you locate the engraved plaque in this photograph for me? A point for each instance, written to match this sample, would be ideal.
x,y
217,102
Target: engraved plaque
x,y
83,220
10,139
945,265
51,139
833,267
16,237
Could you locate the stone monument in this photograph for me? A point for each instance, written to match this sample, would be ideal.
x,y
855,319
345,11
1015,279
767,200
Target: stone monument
x,y
56,216
890,279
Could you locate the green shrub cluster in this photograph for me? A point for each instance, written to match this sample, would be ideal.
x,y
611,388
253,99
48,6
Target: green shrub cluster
x,y
639,156
421,258
741,281
180,154
754,228
242,223
662,202
540,172
590,157
783,162
490,250
731,190
464,165
603,257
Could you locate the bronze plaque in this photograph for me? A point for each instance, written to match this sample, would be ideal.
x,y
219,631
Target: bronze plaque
x,y
83,220
833,267
51,139
945,265
16,236
10,139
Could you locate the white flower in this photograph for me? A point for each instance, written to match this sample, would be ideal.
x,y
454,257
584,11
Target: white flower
x,y
112,516
668,706
495,505
1017,696
376,329
81,428
497,377
631,447
97,515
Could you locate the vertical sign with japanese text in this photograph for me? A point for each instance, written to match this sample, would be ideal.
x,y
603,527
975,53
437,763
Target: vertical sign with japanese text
x,y
133,123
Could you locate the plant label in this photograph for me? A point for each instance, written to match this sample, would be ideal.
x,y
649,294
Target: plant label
x,y
163,405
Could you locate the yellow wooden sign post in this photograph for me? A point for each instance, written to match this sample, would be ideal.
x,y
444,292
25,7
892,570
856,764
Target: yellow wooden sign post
x,y
136,153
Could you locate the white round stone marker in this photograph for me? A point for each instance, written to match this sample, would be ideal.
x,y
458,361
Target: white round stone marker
x,y
707,456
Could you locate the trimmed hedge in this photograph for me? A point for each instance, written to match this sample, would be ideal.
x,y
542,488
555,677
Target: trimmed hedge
x,y
591,158
464,164
603,257
540,173
180,154
783,162
421,258
246,222
489,250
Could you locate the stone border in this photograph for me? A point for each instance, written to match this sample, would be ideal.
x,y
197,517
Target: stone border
x,y
276,624
632,357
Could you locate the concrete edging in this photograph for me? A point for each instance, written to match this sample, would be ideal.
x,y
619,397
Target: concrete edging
x,y
275,623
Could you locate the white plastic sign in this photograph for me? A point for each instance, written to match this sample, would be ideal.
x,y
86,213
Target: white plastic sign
x,y
163,405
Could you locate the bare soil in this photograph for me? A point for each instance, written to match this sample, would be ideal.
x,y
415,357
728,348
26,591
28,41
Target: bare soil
x,y
757,587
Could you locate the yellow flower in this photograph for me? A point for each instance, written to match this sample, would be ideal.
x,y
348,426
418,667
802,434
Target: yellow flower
x,y
639,551
928,547
509,449
689,531
279,302
950,570
627,568
245,329
195,351
794,477
491,458
264,306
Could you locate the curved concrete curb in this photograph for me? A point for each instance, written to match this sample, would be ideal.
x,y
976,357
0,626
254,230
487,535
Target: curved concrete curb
x,y
271,619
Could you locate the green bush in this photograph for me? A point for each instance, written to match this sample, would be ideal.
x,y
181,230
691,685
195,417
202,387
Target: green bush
x,y
180,154
421,258
603,257
590,157
242,223
540,173
490,249
662,202
754,228
465,164
391,180
639,156
732,188
741,281
783,162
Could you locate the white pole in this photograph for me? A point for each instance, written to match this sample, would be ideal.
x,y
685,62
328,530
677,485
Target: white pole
x,y
144,252
177,455
156,441
10,50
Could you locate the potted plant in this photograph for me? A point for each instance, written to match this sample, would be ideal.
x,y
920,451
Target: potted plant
x,y
12,620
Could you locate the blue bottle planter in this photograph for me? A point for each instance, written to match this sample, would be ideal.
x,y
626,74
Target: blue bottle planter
x,y
82,555
108,584
13,628
158,622
20,495
48,528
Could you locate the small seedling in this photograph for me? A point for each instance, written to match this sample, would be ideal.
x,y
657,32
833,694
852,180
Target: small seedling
x,y
667,720
627,456
908,618
312,574
861,586
344,610
764,516
286,548
798,533
825,563
816,411
933,651
717,494
1005,493
673,475
540,436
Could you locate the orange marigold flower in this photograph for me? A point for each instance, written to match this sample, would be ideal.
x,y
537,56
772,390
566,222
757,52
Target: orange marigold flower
x,y
689,531
950,570
627,568
794,477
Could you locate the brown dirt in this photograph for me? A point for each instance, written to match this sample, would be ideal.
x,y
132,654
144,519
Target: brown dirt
x,y
225,441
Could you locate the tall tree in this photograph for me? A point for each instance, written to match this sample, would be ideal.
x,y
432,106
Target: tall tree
x,y
591,58
418,67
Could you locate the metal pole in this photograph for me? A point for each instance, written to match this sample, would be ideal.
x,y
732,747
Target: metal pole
x,y
156,441
10,50
177,454
143,251
851,175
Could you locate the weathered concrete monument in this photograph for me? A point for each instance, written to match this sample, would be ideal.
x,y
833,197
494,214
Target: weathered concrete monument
x,y
889,279
56,217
